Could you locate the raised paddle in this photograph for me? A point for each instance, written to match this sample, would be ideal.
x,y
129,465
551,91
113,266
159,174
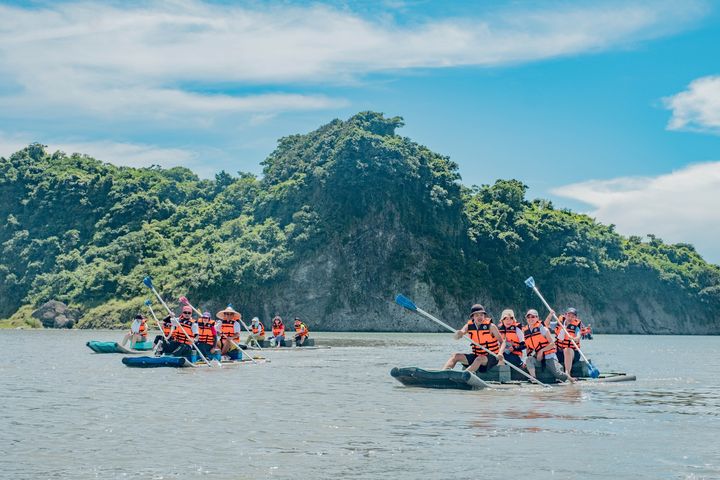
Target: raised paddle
x,y
405,302
594,372
148,283
185,301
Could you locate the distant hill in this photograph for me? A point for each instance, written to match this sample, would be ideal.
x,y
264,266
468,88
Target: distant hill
x,y
342,219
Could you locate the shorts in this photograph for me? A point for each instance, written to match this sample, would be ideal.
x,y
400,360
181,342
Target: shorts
x,y
513,359
471,357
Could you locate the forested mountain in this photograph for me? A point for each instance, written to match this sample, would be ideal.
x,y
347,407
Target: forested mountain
x,y
342,219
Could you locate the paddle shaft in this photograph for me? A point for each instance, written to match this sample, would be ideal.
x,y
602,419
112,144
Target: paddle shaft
x,y
229,339
162,332
547,305
449,328
192,342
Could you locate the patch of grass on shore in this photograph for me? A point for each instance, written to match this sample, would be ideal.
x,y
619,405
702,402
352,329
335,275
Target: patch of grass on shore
x,y
21,319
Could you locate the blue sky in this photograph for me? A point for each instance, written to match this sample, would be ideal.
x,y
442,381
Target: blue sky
x,y
610,108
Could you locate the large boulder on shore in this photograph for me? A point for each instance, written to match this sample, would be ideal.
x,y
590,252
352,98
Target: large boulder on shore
x,y
54,314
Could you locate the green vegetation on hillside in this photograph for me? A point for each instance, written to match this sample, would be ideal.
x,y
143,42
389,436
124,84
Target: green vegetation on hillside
x,y
86,232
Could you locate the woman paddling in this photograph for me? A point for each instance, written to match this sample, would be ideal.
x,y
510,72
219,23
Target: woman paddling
x,y
511,332
541,348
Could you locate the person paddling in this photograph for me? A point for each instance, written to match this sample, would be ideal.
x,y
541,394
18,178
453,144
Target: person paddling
x,y
565,346
482,331
207,335
184,332
278,332
257,332
541,348
301,332
229,331
511,332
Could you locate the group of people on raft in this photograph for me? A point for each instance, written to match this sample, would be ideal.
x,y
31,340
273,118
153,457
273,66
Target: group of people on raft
x,y
213,338
526,346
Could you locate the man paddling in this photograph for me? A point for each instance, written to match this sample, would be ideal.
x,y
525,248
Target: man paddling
x,y
481,331
184,332
541,348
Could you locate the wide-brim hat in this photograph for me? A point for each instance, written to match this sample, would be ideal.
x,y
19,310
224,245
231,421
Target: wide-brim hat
x,y
229,311
507,313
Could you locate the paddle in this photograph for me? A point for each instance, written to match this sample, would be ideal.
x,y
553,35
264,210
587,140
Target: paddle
x,y
405,302
148,283
148,303
185,301
594,372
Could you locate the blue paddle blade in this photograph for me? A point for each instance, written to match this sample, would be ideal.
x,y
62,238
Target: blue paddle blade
x,y
530,282
403,301
592,371
148,302
148,282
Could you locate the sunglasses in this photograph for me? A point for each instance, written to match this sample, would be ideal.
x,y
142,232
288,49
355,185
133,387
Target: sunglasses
x,y
530,316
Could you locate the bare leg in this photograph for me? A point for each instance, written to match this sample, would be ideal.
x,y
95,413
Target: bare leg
x,y
569,355
479,362
454,359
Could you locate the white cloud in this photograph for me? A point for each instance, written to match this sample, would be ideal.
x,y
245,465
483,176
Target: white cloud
x,y
161,58
681,206
117,153
698,107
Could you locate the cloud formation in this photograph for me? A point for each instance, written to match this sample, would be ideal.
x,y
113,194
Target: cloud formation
x,y
698,107
681,206
117,153
167,58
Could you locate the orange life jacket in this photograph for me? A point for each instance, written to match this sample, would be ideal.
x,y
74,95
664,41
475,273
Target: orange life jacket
x,y
206,332
228,330
143,329
258,329
278,329
301,329
535,340
481,334
185,326
571,331
166,326
511,337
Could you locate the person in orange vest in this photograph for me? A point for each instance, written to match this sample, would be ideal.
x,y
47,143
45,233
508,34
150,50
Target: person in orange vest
x,y
565,347
138,331
257,331
540,348
229,332
511,332
207,335
301,332
278,332
184,332
164,347
482,331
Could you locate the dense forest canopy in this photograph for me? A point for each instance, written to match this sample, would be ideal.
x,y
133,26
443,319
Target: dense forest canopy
x,y
341,219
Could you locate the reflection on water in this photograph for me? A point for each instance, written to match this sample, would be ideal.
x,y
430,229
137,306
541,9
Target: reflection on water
x,y
336,413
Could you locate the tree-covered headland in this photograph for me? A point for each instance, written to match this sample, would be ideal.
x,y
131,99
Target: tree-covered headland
x,y
341,219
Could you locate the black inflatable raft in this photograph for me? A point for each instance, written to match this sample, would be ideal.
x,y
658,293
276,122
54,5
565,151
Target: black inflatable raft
x,y
417,377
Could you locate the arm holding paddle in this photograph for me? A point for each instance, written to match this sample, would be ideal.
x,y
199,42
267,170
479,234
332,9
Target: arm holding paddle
x,y
496,333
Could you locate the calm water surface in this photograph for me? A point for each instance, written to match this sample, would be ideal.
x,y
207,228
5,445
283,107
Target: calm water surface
x,y
337,413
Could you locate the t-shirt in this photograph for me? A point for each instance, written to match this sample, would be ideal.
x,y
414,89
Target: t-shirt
x,y
135,327
545,331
